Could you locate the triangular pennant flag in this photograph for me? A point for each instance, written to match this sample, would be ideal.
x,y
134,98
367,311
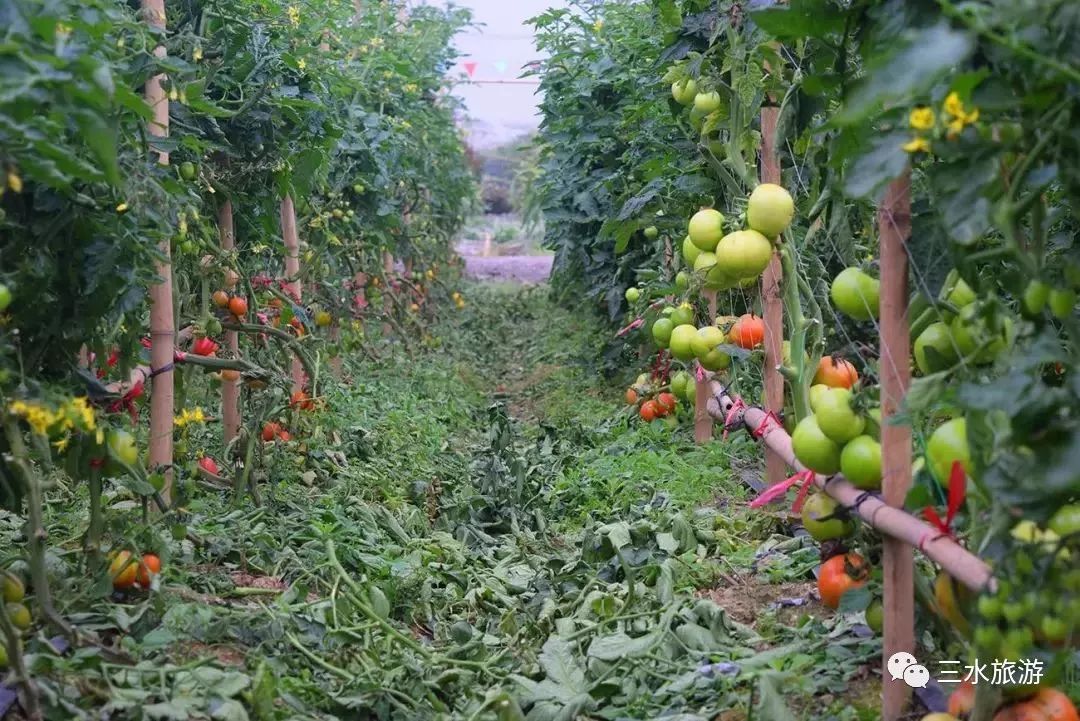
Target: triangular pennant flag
x,y
500,65
470,68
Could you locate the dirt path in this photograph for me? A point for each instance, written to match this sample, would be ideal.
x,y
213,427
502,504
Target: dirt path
x,y
517,268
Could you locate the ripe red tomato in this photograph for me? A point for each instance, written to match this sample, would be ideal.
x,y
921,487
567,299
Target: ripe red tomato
x,y
836,373
839,575
748,331
204,346
962,700
1047,704
270,431
238,306
649,411
667,403
208,464
150,567
220,298
300,399
631,397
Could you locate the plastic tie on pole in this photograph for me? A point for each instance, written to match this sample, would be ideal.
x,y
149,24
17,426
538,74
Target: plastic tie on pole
x,y
634,324
957,493
736,407
768,423
805,478
862,498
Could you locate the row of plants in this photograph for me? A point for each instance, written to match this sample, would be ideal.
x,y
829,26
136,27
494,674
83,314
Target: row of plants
x,y
335,117
653,201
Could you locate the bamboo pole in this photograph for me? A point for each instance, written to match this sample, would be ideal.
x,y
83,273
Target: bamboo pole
x,y
703,422
292,271
230,390
162,331
772,306
964,566
894,228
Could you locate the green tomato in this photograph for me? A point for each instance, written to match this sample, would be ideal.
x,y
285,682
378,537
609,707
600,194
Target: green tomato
x,y
875,616
5,297
652,232
1062,302
743,254
770,210
691,252
187,170
680,382
682,280
661,331
835,417
948,444
707,102
683,314
706,228
970,332
1066,520
680,344
122,447
961,294
824,519
632,295
856,294
1036,294
684,91
860,462
935,349
989,607
814,449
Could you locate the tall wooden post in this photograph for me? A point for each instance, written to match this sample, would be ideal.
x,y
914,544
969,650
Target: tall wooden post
x,y
894,228
703,422
292,270
772,307
388,305
162,326
230,389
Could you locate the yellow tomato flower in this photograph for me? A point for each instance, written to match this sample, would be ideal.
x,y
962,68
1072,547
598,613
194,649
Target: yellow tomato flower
x,y
921,118
197,53
62,444
301,63
953,105
294,15
122,208
917,145
14,181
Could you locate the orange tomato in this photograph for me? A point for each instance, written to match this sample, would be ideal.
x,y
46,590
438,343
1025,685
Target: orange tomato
x,y
631,396
839,575
836,373
275,302
230,374
748,331
220,298
284,437
150,567
123,570
667,403
238,306
231,278
649,411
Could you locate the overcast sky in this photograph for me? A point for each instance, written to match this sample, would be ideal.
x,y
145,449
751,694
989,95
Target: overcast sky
x,y
500,45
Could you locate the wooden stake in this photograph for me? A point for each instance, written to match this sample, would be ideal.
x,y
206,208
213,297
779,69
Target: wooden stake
x,y
703,422
230,390
894,228
292,271
388,269
772,306
162,330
